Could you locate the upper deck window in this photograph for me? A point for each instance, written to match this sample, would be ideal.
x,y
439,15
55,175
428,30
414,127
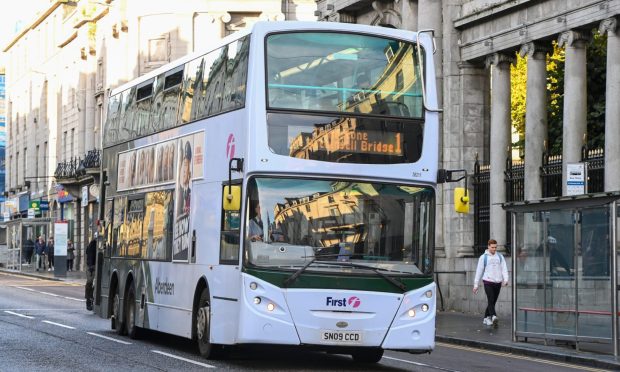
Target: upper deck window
x,y
342,72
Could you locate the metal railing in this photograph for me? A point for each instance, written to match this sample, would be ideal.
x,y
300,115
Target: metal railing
x,y
76,167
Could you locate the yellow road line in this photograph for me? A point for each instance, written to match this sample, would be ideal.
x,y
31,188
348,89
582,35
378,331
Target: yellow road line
x,y
522,357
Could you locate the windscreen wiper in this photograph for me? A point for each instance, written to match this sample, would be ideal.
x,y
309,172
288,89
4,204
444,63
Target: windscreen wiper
x,y
291,279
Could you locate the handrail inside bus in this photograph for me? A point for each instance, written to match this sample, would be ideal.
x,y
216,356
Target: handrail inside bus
x,y
421,64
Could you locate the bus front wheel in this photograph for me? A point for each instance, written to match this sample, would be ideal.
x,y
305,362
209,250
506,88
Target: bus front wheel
x,y
367,355
202,320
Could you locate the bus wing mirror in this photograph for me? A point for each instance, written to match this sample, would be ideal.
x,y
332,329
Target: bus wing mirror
x,y
461,200
232,198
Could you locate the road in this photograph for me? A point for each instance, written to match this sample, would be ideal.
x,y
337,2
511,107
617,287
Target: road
x,y
45,326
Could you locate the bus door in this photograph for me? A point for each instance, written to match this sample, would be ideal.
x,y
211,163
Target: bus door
x,y
102,273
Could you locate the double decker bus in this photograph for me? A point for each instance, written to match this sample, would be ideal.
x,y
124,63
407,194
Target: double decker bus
x,y
278,188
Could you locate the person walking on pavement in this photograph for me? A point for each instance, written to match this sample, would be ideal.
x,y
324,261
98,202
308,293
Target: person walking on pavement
x,y
493,271
39,252
91,259
50,254
70,255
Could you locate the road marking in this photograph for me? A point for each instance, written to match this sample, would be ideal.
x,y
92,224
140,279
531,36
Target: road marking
x,y
183,359
109,338
58,324
421,364
522,357
52,294
26,289
18,314
49,294
75,299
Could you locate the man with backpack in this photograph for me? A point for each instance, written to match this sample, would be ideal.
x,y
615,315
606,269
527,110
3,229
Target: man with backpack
x,y
493,271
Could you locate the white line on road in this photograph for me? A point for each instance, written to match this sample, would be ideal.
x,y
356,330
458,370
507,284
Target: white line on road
x,y
18,314
63,310
109,338
58,324
75,299
183,359
26,289
420,364
49,294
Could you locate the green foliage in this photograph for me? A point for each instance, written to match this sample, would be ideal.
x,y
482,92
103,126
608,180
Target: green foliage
x,y
518,83
596,70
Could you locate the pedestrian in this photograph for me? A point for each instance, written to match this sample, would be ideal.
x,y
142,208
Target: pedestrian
x,y
91,259
50,254
493,271
39,252
70,255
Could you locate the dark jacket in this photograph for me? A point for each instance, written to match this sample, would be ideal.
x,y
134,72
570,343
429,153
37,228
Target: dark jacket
x,y
91,253
50,249
40,248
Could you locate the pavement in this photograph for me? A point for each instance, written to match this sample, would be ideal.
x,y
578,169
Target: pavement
x,y
466,330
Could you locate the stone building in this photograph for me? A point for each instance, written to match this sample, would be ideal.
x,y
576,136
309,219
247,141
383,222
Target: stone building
x,y
477,41
61,66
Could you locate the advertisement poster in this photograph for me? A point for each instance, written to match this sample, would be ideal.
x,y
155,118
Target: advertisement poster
x,y
61,230
181,239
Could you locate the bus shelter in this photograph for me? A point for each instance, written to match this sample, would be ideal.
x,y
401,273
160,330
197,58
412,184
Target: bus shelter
x,y
21,235
565,272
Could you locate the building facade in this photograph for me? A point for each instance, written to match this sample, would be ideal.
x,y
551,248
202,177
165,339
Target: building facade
x,y
60,68
478,41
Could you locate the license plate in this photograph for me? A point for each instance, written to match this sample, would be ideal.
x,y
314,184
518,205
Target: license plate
x,y
341,337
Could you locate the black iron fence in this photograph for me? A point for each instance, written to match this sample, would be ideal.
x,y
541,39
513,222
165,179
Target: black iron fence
x,y
551,175
76,167
481,178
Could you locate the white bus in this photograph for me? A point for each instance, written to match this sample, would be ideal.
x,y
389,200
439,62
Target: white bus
x,y
276,189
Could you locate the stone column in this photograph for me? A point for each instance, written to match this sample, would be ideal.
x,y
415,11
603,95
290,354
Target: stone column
x,y
535,116
500,143
612,107
575,97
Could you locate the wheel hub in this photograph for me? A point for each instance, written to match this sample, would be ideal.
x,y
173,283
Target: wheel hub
x,y
202,320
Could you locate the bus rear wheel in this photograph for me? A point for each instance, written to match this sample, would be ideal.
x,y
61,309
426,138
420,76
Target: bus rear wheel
x,y
117,318
130,312
202,320
365,355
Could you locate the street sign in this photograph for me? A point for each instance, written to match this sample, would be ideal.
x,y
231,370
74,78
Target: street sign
x,y
44,205
575,178
6,216
36,205
30,212
84,196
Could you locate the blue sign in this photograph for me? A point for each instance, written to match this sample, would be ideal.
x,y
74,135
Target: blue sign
x,y
44,205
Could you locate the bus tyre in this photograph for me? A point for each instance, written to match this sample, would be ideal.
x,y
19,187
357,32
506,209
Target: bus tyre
x,y
130,314
117,318
202,320
365,355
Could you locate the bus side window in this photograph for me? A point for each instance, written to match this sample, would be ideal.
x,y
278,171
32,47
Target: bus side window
x,y
229,239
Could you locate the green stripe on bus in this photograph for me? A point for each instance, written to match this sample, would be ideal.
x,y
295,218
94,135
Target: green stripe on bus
x,y
370,282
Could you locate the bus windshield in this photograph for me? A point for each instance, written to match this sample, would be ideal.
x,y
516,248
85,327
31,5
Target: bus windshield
x,y
343,72
383,226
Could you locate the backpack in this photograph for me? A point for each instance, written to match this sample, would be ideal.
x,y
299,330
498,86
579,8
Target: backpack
x,y
501,259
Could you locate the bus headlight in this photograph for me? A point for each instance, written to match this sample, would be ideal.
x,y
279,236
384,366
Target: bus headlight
x,y
256,300
411,313
424,307
253,286
428,294
271,307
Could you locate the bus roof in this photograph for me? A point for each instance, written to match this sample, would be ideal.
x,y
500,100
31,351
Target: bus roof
x,y
264,27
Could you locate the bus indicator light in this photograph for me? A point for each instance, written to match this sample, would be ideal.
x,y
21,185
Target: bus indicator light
x,y
256,300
